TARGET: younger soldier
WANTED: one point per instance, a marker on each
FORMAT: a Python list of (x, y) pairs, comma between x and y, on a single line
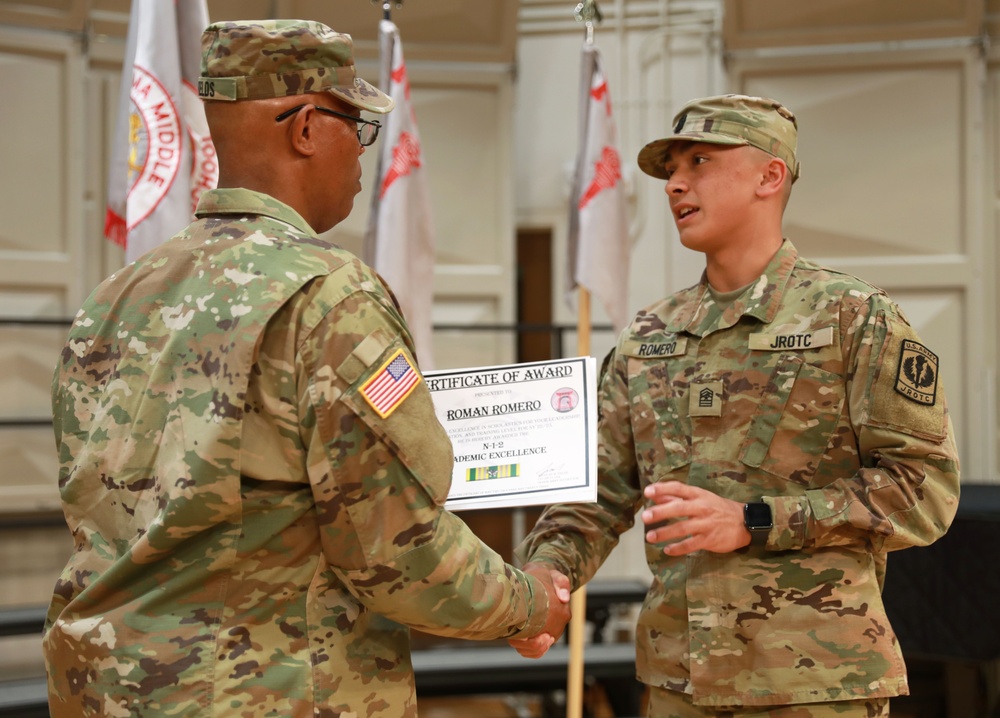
[(250, 462), (783, 427)]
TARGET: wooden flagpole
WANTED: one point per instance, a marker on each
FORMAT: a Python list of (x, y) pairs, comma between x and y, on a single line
[(588, 13), (578, 601)]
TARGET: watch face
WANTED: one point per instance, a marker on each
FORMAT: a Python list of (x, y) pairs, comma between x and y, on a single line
[(758, 516)]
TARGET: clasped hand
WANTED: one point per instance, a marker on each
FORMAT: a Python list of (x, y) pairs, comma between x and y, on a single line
[(688, 518), (557, 587)]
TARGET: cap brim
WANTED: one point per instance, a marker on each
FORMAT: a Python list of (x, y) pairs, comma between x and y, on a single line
[(364, 96), (653, 156)]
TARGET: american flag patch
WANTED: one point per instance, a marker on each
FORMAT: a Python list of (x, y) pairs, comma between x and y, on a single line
[(392, 383)]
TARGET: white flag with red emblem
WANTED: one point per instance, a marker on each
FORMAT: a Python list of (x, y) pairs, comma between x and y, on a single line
[(162, 157), (598, 227), (399, 241)]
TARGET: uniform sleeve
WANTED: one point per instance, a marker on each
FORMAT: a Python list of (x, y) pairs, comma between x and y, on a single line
[(906, 491), (380, 466), (576, 538)]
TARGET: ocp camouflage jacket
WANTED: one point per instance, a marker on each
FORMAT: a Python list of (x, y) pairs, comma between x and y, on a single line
[(812, 392), (254, 477)]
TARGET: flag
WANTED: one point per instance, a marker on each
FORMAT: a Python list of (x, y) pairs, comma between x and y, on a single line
[(399, 241), (162, 157), (392, 383), (598, 228)]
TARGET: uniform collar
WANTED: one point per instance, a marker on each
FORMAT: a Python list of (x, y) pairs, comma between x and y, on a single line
[(239, 201), (760, 300)]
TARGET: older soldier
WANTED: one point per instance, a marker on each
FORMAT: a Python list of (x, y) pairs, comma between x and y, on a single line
[(785, 429), (250, 462)]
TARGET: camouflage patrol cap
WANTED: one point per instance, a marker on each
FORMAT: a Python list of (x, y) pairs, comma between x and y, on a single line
[(729, 120), (260, 59)]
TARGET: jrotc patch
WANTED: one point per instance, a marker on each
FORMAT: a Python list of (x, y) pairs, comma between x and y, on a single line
[(917, 374), (392, 383)]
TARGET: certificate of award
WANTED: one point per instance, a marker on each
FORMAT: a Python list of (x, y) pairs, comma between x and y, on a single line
[(523, 434)]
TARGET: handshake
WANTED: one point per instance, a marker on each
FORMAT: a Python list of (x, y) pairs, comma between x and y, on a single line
[(557, 587)]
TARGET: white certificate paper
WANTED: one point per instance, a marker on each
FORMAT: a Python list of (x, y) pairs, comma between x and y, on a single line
[(523, 434)]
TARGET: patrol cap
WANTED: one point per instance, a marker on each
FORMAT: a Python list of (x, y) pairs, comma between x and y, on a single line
[(729, 120), (261, 59)]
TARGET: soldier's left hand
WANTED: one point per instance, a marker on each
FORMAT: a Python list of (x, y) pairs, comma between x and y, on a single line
[(693, 519)]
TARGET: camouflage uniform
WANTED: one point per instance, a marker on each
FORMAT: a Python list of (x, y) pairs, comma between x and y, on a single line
[(810, 390), (664, 703), (252, 523)]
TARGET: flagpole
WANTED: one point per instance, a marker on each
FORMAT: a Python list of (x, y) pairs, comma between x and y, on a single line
[(578, 601), (586, 12)]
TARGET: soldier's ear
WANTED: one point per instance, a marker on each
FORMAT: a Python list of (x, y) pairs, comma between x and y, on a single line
[(302, 133), (772, 177)]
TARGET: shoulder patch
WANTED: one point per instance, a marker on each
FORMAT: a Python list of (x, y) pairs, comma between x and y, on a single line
[(917, 373), (391, 384)]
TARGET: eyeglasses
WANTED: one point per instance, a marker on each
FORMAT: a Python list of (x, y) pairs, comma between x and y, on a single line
[(367, 129)]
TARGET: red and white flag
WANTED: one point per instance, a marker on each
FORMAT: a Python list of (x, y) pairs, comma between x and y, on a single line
[(598, 227), (162, 157), (399, 241)]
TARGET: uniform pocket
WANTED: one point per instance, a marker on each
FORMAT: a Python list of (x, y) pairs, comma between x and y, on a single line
[(794, 421), (661, 428)]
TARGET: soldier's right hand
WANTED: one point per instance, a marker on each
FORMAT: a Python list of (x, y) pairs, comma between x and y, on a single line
[(557, 586)]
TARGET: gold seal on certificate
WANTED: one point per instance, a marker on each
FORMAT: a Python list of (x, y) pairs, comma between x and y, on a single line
[(523, 434)]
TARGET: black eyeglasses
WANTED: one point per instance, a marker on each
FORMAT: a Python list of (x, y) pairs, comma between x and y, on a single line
[(367, 129)]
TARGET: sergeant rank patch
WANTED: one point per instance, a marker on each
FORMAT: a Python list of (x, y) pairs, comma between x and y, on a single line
[(706, 399), (392, 383), (917, 374)]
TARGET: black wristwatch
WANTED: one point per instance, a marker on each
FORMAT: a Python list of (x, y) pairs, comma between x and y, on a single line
[(758, 520)]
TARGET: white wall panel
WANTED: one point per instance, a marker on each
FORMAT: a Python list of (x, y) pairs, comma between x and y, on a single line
[(41, 144), (882, 159), (29, 471), (892, 152)]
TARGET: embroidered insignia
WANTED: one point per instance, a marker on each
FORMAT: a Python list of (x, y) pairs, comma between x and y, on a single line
[(392, 383), (792, 341), (917, 374), (669, 346), (706, 399)]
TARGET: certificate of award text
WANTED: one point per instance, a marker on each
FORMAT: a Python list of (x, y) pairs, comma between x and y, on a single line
[(523, 434)]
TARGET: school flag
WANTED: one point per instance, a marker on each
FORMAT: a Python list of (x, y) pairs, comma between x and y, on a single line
[(399, 241), (598, 228), (162, 157)]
